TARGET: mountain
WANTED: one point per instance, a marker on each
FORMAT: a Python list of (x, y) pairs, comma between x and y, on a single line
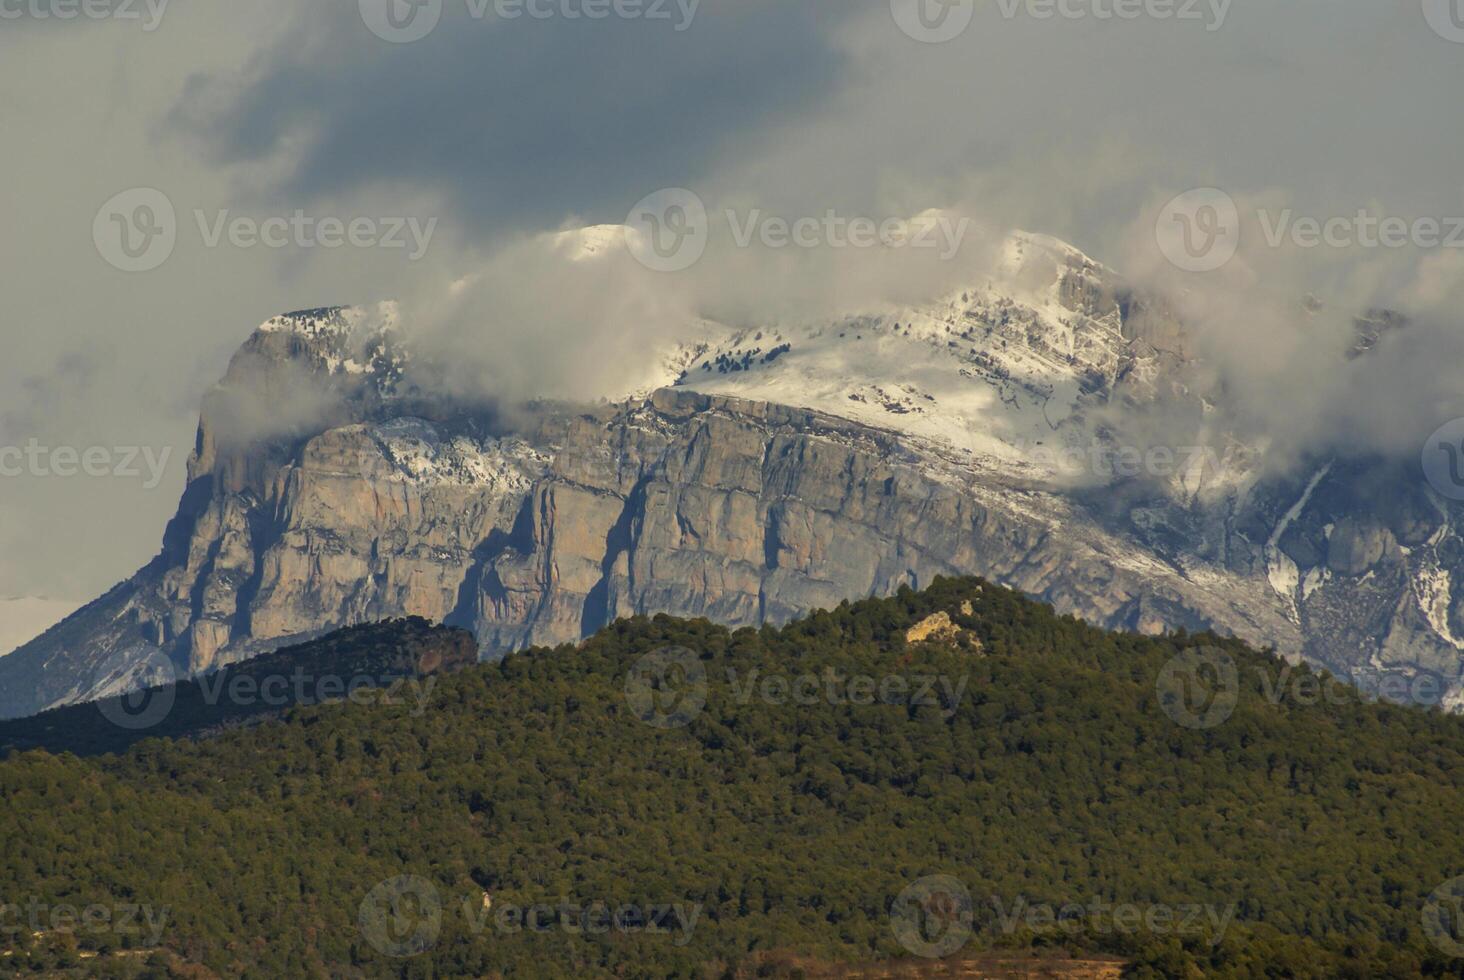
[(954, 773), (391, 662), (749, 475)]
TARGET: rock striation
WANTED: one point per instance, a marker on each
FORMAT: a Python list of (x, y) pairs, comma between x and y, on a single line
[(329, 487)]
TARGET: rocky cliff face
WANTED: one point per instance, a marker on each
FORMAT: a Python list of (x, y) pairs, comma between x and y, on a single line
[(327, 489)]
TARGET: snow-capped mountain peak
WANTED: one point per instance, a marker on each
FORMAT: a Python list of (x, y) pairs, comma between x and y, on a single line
[(1002, 373), (997, 371)]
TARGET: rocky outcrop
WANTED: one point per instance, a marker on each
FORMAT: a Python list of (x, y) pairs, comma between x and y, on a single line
[(328, 488), (698, 505), (941, 628), (1357, 544)]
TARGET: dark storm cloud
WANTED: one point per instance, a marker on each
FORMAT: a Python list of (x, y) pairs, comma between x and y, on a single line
[(518, 122)]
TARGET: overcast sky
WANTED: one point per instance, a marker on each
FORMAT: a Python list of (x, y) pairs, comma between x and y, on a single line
[(500, 129)]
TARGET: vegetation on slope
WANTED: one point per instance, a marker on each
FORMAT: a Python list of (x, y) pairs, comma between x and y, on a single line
[(1017, 779)]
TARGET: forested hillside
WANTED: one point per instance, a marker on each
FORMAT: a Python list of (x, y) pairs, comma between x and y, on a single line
[(937, 773)]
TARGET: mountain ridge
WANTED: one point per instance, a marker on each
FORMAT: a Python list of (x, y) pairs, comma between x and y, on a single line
[(383, 661), (768, 471)]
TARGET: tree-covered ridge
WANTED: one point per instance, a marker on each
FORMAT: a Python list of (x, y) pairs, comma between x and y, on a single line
[(384, 661), (741, 808)]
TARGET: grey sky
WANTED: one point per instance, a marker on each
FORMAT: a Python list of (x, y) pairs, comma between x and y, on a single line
[(500, 129)]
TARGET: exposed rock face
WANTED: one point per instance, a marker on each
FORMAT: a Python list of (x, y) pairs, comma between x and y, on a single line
[(937, 626), (703, 506), (941, 628), (327, 491), (1356, 545)]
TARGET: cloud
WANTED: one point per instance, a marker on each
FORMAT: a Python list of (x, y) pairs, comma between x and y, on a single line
[(508, 131), (516, 123), (543, 318), (1314, 350)]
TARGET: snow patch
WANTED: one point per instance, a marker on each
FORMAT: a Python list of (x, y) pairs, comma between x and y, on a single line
[(421, 457), (1433, 585), (594, 242), (1284, 576), (1002, 372)]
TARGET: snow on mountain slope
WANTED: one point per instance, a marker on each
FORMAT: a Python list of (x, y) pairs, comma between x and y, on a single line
[(359, 340), (749, 473), (420, 456), (1002, 373), (1281, 570), (585, 244)]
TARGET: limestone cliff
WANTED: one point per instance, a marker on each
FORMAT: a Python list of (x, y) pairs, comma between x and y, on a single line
[(329, 486)]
